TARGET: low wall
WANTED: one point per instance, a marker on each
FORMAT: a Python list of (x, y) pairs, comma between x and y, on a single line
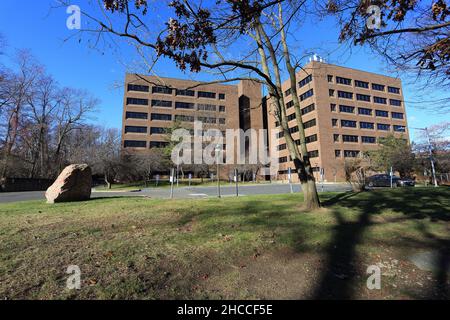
[(24, 184)]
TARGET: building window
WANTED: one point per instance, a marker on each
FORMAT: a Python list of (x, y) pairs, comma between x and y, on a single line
[(394, 102), (206, 107), (162, 89), (337, 153), (351, 153), (366, 139), (347, 109), (348, 123), (379, 100), (381, 113), (281, 147), (366, 125), (397, 115), (134, 144), (362, 97), (361, 84), (336, 137), (399, 128), (309, 124), (288, 92), (289, 104), (305, 81), (331, 92), (308, 109), (280, 134), (205, 94), (293, 129), (162, 103), (383, 127), (307, 94), (161, 116), (221, 120), (221, 108), (158, 144), (184, 118), (282, 159), (290, 117), (345, 94), (185, 92), (138, 87), (221, 96), (365, 111), (330, 78), (157, 130), (333, 107), (334, 122), (378, 87), (184, 105), (207, 119), (137, 101), (349, 138), (345, 81), (309, 139), (313, 153), (136, 115), (394, 90), (135, 129)]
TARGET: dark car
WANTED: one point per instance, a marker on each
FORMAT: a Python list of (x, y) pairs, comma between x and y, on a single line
[(384, 180)]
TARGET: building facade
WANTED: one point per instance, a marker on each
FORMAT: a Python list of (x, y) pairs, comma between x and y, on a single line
[(344, 112)]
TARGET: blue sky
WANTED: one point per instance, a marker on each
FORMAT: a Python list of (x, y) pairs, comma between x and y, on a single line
[(35, 26)]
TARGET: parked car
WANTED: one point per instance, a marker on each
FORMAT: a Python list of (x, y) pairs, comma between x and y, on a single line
[(384, 180)]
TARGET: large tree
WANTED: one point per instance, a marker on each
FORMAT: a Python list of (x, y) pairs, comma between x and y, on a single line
[(236, 39)]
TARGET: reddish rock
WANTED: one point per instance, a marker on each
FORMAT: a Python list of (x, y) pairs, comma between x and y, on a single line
[(73, 184)]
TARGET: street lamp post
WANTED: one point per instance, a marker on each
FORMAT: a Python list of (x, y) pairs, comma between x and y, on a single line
[(218, 147)]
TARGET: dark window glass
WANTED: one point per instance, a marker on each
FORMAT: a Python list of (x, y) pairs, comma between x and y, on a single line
[(184, 118), (162, 103), (282, 159), (281, 147), (135, 129), (366, 125), (309, 124), (158, 144), (347, 109), (331, 92), (134, 144), (307, 94), (162, 89), (330, 78), (305, 81), (136, 115), (290, 117), (378, 87), (399, 128), (381, 113), (185, 92), (332, 107), (221, 120), (379, 100), (184, 105), (361, 84), (351, 153), (221, 96), (308, 109), (345, 81), (206, 107), (288, 92), (349, 138), (384, 127), (337, 153), (394, 102), (362, 97), (313, 153), (394, 90), (397, 115), (221, 108), (334, 122), (206, 94), (161, 116), (138, 87), (365, 111), (207, 119), (310, 138), (142, 102), (289, 104), (366, 139), (157, 130), (348, 123), (293, 129), (336, 137), (345, 94)]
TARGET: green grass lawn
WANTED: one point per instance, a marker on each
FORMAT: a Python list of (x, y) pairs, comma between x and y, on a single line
[(249, 247)]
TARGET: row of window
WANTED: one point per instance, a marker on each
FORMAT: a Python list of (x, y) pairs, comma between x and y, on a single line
[(308, 139), (143, 144), (346, 153), (364, 84), (364, 97), (367, 125), (178, 104), (168, 117), (353, 138), (294, 129), (311, 154), (366, 111), (178, 92)]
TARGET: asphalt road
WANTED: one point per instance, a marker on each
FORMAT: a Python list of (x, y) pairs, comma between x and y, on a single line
[(226, 189)]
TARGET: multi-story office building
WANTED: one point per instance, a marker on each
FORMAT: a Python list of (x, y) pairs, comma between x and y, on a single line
[(344, 112)]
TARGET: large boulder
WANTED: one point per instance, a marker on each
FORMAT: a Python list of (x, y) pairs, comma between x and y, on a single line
[(73, 184)]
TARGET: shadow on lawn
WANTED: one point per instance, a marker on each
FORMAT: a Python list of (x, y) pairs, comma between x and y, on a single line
[(338, 279)]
